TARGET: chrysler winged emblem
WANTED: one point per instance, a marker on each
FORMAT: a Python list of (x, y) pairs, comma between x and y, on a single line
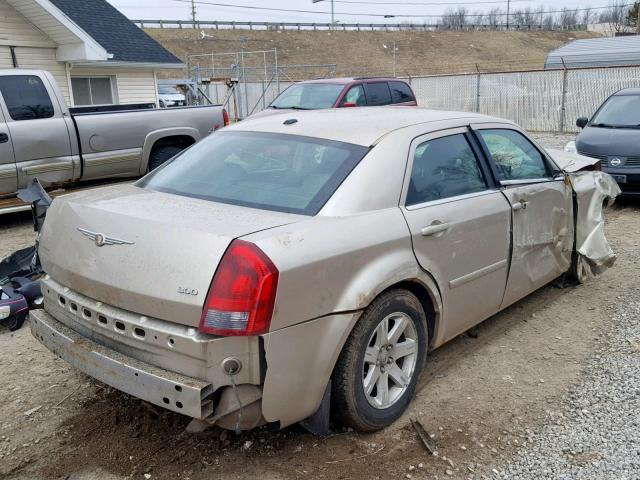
[(100, 239)]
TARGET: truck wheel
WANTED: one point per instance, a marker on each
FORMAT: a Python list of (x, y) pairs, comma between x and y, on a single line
[(377, 372), (160, 155)]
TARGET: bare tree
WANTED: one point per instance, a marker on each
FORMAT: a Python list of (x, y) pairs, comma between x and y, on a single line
[(493, 18), (568, 19), (588, 16), (615, 16), (455, 18)]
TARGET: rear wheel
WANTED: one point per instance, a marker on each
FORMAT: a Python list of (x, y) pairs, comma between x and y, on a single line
[(159, 155), (378, 369)]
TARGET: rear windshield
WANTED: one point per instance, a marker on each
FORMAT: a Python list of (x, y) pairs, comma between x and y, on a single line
[(284, 173), (308, 96), (619, 111)]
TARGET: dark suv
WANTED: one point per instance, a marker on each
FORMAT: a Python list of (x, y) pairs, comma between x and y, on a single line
[(613, 136), (342, 92)]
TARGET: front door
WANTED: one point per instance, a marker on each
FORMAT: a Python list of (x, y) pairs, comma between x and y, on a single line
[(8, 173), (460, 226), (542, 210), (38, 130)]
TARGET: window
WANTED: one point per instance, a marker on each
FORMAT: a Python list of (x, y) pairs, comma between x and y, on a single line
[(285, 173), (444, 167), (356, 96), (378, 93), (401, 92), (26, 97), (621, 111), (308, 96), (515, 157), (93, 90)]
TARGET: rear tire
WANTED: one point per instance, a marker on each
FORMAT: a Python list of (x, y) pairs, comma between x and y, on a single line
[(159, 155), (379, 367)]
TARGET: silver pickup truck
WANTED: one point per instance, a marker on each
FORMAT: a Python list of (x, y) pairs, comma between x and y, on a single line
[(40, 137)]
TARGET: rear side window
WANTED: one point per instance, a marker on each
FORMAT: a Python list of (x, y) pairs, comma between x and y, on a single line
[(284, 173), (442, 168), (515, 157), (377, 93), (26, 97), (401, 92)]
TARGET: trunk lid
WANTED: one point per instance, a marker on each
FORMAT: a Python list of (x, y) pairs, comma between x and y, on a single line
[(159, 250)]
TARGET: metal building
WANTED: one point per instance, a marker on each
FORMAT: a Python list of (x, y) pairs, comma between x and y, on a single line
[(596, 52)]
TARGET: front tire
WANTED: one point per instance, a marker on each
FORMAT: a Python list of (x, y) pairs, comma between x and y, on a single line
[(378, 370)]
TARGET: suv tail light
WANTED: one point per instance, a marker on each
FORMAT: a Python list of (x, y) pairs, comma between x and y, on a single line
[(242, 294), (225, 118)]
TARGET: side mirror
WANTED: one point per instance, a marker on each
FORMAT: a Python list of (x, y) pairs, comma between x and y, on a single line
[(582, 122), (348, 104)]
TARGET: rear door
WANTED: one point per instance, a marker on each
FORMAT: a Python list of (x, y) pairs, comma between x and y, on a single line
[(378, 93), (542, 209), (39, 133), (8, 174), (460, 225)]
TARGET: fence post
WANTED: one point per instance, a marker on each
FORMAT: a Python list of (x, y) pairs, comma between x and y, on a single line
[(477, 89), (563, 101)]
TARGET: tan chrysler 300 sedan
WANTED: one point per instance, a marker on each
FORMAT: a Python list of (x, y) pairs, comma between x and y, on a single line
[(303, 263)]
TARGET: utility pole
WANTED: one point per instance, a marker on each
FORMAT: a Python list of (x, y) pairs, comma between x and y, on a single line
[(508, 10), (333, 19), (193, 12)]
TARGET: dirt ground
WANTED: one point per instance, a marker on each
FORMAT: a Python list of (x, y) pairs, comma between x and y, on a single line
[(371, 53), (480, 398)]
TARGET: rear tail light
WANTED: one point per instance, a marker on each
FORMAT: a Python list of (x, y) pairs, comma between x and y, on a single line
[(242, 294), (225, 118)]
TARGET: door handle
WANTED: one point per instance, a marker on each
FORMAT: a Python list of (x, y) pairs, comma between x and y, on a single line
[(434, 229), (522, 205), (4, 138)]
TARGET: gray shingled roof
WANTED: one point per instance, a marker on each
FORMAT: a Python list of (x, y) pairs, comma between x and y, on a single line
[(115, 32), (596, 52)]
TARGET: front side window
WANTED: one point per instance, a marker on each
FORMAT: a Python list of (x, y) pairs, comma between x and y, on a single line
[(285, 173), (378, 93), (26, 97), (620, 111), (93, 91), (355, 95), (401, 92), (442, 168), (515, 157), (308, 96)]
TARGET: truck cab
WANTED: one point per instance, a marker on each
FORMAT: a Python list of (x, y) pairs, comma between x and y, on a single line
[(37, 135)]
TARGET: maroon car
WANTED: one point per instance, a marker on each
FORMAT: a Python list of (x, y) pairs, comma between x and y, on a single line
[(342, 92)]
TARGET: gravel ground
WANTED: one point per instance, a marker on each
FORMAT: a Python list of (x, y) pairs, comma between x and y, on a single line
[(553, 140), (596, 432)]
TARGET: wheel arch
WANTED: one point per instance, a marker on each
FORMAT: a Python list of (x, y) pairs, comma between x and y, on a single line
[(182, 137)]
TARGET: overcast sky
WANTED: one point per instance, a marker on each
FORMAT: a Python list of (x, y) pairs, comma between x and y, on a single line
[(180, 9)]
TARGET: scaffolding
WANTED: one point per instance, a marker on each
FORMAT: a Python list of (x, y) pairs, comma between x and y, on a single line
[(247, 81)]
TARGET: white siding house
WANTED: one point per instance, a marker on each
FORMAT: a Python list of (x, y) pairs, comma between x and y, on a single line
[(95, 53)]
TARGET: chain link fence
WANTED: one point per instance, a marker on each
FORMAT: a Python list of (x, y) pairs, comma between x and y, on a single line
[(538, 100), (544, 100)]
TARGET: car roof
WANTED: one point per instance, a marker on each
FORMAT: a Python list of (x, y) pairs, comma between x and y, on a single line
[(359, 126), (628, 91), (347, 80)]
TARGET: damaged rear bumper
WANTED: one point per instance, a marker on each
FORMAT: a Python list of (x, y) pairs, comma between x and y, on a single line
[(161, 387)]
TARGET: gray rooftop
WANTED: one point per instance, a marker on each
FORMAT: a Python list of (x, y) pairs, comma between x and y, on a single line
[(115, 32), (596, 52)]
